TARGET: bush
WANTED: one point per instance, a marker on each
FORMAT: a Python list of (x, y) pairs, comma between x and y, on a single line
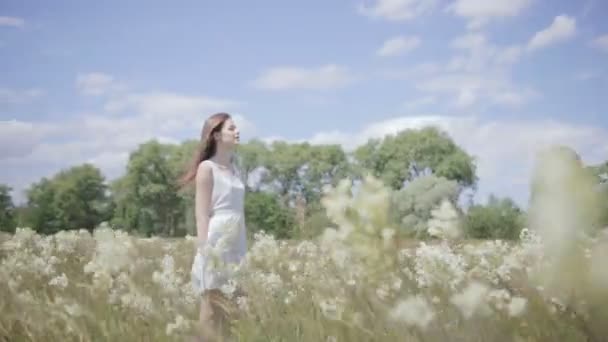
[(412, 205), (264, 211), (498, 219)]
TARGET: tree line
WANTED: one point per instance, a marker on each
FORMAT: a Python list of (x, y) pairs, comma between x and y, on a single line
[(284, 181)]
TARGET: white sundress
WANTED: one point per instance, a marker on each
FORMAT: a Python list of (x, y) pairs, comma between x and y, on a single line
[(226, 236)]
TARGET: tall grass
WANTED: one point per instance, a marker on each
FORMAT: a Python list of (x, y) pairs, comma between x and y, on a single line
[(356, 282)]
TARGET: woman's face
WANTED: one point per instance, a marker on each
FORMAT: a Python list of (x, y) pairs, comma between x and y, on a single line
[(229, 134)]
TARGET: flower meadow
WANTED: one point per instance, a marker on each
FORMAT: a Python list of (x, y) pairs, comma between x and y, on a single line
[(358, 281)]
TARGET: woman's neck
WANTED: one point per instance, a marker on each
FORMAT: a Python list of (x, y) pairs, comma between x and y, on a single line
[(223, 157)]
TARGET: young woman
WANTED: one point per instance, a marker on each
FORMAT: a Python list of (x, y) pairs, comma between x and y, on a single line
[(219, 213)]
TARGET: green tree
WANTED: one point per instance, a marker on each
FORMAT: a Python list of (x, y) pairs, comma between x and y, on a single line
[(283, 168), (74, 198), (7, 209), (147, 199), (80, 199), (264, 211), (500, 218), (302, 170), (180, 159), (40, 214), (298, 173), (402, 157), (252, 156), (324, 165), (600, 173), (412, 205)]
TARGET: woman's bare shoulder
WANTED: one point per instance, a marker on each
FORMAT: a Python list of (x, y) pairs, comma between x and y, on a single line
[(204, 170)]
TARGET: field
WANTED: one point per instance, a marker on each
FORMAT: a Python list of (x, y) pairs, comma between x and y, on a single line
[(357, 282)]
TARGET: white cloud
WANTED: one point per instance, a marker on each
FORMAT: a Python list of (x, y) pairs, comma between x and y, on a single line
[(480, 76), (600, 43), (12, 22), (105, 139), (375, 130), (467, 89), (19, 138), (479, 12), (504, 149), (420, 102), (476, 54), (586, 75), (477, 74), (398, 46), (411, 73), (509, 55), (479, 71), (561, 29), (97, 83), (397, 10), (14, 96), (469, 41), (324, 77), (165, 105)]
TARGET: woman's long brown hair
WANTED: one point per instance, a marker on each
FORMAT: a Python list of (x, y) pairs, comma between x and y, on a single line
[(207, 145)]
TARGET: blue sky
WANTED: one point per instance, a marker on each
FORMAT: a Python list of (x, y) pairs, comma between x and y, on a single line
[(89, 81)]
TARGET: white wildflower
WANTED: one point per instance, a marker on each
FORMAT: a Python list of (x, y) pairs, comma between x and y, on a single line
[(264, 248), (293, 266), (438, 265), (66, 241), (46, 246), (340, 256), (289, 297), (414, 311), (73, 309), (180, 324), (69, 306), (499, 297), (189, 295), (471, 299), (113, 252), (383, 291), (243, 303), (517, 306), (42, 266), (388, 234), (25, 296), (306, 249), (395, 282), (13, 283), (167, 278), (331, 309), (270, 282), (20, 239), (404, 255), (59, 281), (229, 288), (138, 302), (444, 221)]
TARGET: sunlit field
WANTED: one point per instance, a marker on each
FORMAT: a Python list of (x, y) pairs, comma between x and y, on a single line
[(355, 282)]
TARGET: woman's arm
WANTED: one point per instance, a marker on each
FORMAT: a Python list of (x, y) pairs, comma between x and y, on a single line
[(202, 201)]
